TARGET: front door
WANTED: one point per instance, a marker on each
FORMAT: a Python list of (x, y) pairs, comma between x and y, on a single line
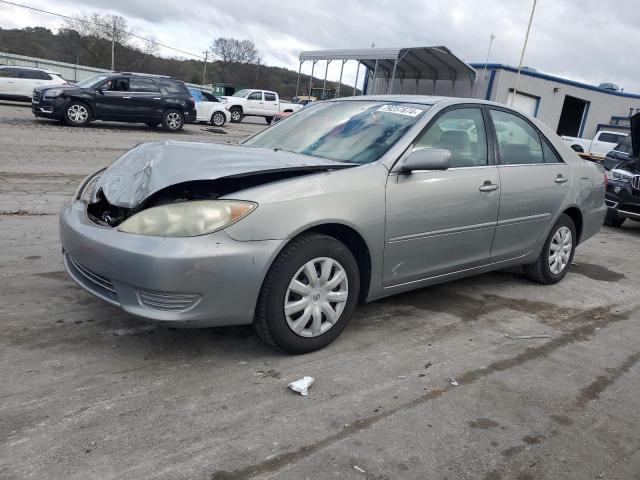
[(113, 98), (255, 104), (439, 222), (534, 183)]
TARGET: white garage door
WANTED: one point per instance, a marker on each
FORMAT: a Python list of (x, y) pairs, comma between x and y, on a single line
[(523, 103)]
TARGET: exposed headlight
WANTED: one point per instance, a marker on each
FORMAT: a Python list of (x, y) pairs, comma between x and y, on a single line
[(622, 175), (54, 92), (187, 219), (87, 190)]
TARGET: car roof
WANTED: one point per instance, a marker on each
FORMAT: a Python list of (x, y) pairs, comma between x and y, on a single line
[(30, 68)]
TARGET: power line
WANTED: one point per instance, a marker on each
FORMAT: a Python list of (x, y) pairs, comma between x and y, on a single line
[(102, 25)]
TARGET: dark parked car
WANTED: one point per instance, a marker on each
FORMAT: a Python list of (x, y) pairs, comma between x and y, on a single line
[(623, 187), (119, 97), (619, 154)]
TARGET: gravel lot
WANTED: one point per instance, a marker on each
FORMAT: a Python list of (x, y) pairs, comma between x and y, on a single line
[(91, 392)]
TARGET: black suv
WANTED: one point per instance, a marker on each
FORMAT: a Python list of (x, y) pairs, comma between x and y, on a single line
[(623, 188), (119, 97)]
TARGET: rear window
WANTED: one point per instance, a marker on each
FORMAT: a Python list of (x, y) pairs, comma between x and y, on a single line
[(173, 87), (610, 137), (142, 85)]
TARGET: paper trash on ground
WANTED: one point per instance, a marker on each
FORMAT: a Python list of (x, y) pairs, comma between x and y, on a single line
[(302, 386)]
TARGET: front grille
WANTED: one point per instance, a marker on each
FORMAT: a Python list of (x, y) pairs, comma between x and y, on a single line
[(635, 182), (167, 301), (97, 283)]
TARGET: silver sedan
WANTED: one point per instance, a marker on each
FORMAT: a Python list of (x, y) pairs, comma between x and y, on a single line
[(347, 201)]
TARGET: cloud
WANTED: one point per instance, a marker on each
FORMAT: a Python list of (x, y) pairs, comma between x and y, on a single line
[(590, 40)]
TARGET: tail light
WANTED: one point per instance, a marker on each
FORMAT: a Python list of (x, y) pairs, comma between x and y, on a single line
[(606, 180)]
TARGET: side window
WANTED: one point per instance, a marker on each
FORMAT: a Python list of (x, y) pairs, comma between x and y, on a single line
[(28, 74), (518, 142), (209, 98), (142, 85), (10, 72), (4, 72), (462, 132), (269, 97), (549, 154), (119, 84), (255, 96)]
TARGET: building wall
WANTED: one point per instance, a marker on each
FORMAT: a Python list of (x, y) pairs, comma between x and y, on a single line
[(602, 106)]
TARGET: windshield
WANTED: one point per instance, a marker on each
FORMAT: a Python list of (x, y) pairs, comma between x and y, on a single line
[(347, 131), (92, 82), (241, 93)]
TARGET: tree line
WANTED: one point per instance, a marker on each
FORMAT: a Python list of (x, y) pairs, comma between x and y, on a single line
[(86, 40)]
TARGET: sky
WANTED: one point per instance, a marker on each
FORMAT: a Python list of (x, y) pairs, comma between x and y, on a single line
[(592, 41)]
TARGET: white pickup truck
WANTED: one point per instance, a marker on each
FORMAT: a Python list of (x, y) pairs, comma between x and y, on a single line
[(601, 144), (256, 103)]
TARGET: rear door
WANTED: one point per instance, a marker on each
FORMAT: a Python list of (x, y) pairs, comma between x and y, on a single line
[(30, 79), (255, 104), (438, 222), (8, 77), (145, 97), (271, 103), (534, 183)]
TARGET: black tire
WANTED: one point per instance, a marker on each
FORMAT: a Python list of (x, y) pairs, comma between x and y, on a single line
[(270, 321), (77, 114), (540, 270), (236, 114), (612, 220), (152, 124), (172, 120), (268, 120), (577, 148), (218, 119)]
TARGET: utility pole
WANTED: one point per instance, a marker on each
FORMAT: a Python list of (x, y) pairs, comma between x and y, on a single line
[(524, 47), (113, 44), (491, 37), (204, 70)]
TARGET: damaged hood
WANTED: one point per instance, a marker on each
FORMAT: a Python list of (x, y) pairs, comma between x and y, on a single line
[(151, 167)]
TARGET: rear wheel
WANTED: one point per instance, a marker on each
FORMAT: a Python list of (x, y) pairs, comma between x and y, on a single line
[(308, 295), (612, 220), (172, 120), (554, 261), (218, 119), (77, 114), (236, 114)]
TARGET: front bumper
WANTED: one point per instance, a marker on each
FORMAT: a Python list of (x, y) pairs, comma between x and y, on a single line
[(210, 280), (48, 107), (625, 202)]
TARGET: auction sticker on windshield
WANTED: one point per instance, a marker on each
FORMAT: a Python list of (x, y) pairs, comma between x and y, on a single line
[(408, 111)]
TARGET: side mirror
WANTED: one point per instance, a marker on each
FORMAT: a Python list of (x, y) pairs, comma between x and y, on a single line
[(427, 159), (101, 90)]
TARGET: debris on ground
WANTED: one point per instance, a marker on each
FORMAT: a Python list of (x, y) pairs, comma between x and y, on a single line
[(356, 467), (401, 377), (452, 381), (427, 365), (214, 130), (526, 337), (302, 386)]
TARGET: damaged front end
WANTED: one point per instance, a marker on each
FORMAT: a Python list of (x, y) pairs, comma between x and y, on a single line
[(151, 176)]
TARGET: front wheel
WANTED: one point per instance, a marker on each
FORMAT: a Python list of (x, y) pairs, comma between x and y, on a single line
[(218, 119), (554, 261), (308, 295), (172, 120), (268, 120), (77, 114), (612, 220)]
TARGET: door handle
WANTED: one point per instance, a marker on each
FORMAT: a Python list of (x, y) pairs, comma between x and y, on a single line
[(126, 97), (488, 186), (560, 179), (157, 98)]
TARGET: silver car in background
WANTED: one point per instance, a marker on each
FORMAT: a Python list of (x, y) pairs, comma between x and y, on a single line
[(347, 201)]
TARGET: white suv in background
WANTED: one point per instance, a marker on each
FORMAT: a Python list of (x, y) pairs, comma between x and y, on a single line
[(17, 83)]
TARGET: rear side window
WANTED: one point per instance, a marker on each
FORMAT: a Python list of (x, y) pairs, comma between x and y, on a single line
[(209, 98), (550, 156), (462, 132), (34, 74), (518, 142), (610, 138), (269, 97), (142, 85), (10, 72), (173, 87)]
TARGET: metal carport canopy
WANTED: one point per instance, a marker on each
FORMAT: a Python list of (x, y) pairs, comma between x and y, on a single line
[(424, 63)]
